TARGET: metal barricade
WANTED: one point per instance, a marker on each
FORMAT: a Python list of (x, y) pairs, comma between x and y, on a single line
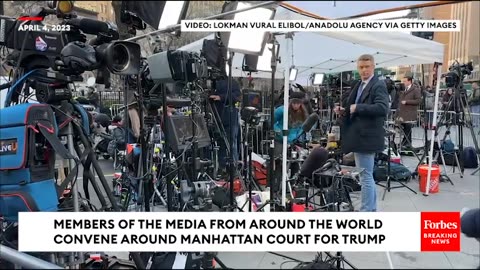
[(24, 260), (116, 109)]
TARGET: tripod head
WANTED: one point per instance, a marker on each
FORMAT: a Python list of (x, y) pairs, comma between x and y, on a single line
[(199, 193)]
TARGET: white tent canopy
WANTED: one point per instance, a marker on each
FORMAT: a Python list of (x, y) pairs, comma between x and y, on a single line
[(329, 52)]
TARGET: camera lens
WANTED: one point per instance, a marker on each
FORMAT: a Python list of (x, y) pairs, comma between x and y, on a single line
[(120, 57)]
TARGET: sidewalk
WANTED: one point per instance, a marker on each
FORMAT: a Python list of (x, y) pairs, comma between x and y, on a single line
[(464, 193)]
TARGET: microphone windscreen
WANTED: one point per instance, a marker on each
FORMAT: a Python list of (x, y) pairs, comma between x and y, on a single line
[(310, 122), (317, 158)]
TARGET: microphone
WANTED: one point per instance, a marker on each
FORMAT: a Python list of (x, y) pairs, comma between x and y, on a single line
[(317, 158), (331, 163), (308, 124), (89, 26)]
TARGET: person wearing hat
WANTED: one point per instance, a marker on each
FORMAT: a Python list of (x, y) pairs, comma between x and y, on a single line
[(297, 114), (407, 108)]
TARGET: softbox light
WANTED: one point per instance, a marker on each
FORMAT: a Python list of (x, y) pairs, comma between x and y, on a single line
[(265, 60), (318, 79), (158, 14), (293, 74), (247, 42)]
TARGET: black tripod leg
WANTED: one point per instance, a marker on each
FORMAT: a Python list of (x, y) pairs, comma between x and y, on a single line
[(97, 168), (217, 260), (386, 188), (403, 184), (92, 179), (340, 258)]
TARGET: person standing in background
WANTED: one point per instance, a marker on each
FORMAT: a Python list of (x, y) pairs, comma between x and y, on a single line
[(93, 98), (408, 109), (221, 101), (362, 126)]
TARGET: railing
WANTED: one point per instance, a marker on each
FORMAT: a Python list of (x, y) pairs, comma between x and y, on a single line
[(24, 260), (418, 136), (418, 131)]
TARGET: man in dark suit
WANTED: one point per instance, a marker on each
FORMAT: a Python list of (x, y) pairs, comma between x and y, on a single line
[(407, 108), (362, 130)]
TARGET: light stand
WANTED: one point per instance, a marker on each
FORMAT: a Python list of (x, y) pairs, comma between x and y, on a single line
[(248, 163), (243, 42), (434, 130), (230, 137), (271, 134), (194, 135), (147, 189), (166, 150)]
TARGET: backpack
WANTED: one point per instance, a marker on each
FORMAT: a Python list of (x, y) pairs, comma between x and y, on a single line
[(448, 147), (398, 172), (470, 158)]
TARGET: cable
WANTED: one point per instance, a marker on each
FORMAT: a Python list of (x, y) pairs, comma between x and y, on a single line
[(10, 91)]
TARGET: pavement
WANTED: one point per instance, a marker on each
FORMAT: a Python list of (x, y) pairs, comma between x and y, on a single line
[(465, 193)]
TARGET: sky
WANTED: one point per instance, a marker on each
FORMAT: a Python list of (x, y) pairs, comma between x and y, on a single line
[(348, 8)]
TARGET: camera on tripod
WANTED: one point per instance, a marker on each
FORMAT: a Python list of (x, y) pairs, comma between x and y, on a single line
[(250, 115), (66, 51), (457, 73)]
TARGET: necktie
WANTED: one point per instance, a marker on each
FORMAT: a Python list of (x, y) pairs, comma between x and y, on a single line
[(359, 92)]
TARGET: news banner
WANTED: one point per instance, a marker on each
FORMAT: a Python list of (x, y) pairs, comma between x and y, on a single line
[(239, 231), (321, 26)]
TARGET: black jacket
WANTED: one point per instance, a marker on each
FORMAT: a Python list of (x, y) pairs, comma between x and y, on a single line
[(363, 131), (221, 89)]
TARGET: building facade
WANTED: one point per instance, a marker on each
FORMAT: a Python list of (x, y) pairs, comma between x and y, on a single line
[(104, 9), (462, 46)]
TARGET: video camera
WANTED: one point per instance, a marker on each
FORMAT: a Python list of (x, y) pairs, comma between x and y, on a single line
[(457, 73), (64, 48), (176, 65)]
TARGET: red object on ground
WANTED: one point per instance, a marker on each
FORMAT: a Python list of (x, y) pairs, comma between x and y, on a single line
[(434, 179), (301, 208)]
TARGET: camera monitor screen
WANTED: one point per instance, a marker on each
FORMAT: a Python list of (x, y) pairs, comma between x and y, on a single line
[(180, 132), (252, 98)]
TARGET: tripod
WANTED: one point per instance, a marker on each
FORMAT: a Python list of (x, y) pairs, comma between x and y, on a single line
[(271, 136), (442, 122), (247, 157), (387, 186)]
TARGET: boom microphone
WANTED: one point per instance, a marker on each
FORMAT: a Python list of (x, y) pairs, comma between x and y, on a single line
[(89, 26), (308, 125), (315, 160), (310, 122), (331, 163)]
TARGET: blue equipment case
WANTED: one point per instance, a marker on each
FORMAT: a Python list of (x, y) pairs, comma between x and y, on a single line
[(28, 144)]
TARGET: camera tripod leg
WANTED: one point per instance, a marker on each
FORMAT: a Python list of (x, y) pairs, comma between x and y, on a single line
[(339, 258), (159, 195), (76, 207), (98, 170), (386, 188), (93, 181), (217, 260)]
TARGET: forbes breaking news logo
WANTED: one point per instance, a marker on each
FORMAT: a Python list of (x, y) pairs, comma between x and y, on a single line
[(440, 231)]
